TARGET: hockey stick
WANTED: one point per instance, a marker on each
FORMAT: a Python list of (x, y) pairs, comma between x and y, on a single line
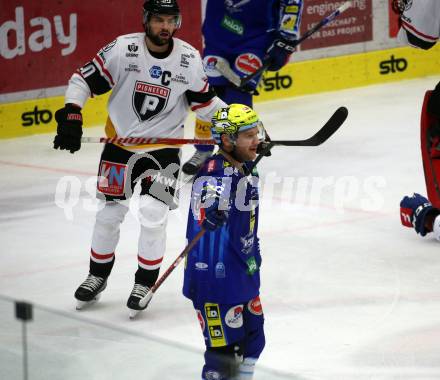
[(328, 129), (146, 300), (146, 140), (235, 79), (323, 134)]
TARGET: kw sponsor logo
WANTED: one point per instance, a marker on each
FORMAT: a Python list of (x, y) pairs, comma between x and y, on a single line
[(36, 117), (393, 65), (163, 180)]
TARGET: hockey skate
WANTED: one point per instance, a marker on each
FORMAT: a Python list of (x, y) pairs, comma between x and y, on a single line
[(195, 162), (139, 299), (90, 291)]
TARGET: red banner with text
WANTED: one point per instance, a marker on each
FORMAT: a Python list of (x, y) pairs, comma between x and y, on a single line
[(353, 25), (43, 42)]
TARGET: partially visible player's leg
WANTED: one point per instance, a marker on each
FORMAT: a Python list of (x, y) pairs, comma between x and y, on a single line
[(254, 341), (158, 189), (153, 216), (108, 220)]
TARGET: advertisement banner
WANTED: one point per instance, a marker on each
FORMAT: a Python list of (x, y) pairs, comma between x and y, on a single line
[(43, 42), (354, 25)]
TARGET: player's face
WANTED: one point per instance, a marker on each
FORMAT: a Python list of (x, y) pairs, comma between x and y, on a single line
[(246, 144), (161, 29)]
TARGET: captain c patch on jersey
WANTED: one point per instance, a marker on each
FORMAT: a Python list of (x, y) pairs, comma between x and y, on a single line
[(149, 99)]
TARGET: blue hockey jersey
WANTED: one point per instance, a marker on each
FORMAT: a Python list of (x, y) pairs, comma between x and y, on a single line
[(224, 266), (236, 24)]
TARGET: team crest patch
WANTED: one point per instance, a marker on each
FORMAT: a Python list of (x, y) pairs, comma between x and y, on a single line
[(112, 178), (234, 317), (248, 63), (149, 99), (254, 306)]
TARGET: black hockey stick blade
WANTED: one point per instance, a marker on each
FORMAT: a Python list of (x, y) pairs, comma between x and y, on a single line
[(332, 125)]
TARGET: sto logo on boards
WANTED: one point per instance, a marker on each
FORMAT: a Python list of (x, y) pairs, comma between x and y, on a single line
[(36, 117), (393, 65)]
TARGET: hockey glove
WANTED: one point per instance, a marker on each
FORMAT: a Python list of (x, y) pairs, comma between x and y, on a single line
[(214, 218), (279, 52), (416, 211), (69, 130), (263, 145)]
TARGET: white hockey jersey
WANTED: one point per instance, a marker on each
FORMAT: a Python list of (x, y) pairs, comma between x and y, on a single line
[(151, 97), (420, 23)]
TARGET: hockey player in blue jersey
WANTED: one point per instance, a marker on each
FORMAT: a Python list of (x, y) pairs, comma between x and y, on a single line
[(243, 33), (222, 276)]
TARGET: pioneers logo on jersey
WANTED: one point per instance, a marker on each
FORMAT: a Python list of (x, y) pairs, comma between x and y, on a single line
[(248, 63), (155, 72), (149, 99)]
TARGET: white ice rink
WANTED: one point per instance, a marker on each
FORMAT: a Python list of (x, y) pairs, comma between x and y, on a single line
[(348, 293)]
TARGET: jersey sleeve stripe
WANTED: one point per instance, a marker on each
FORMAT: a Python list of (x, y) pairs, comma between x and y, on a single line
[(202, 105), (104, 71), (421, 35)]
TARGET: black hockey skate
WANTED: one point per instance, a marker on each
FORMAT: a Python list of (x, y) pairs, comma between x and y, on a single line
[(192, 166), (138, 299), (90, 290)]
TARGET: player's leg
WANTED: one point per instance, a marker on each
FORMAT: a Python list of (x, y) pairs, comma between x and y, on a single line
[(159, 170), (224, 333), (254, 341), (107, 225), (153, 216)]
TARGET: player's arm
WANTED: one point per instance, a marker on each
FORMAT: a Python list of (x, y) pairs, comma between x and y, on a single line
[(419, 21), (288, 32), (94, 78)]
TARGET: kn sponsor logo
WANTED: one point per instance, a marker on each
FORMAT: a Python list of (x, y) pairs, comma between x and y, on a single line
[(393, 65), (255, 307), (234, 317), (247, 63), (14, 39), (112, 178), (36, 117), (201, 320)]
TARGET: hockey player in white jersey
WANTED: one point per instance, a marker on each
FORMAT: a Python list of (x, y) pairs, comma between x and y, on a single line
[(155, 79), (420, 28)]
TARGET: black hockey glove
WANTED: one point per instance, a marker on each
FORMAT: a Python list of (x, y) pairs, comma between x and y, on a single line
[(69, 130), (279, 52), (263, 145)]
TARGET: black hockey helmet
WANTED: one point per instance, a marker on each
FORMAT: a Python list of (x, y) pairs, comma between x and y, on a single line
[(162, 7)]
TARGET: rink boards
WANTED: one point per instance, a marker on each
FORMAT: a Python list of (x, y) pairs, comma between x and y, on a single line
[(300, 78)]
